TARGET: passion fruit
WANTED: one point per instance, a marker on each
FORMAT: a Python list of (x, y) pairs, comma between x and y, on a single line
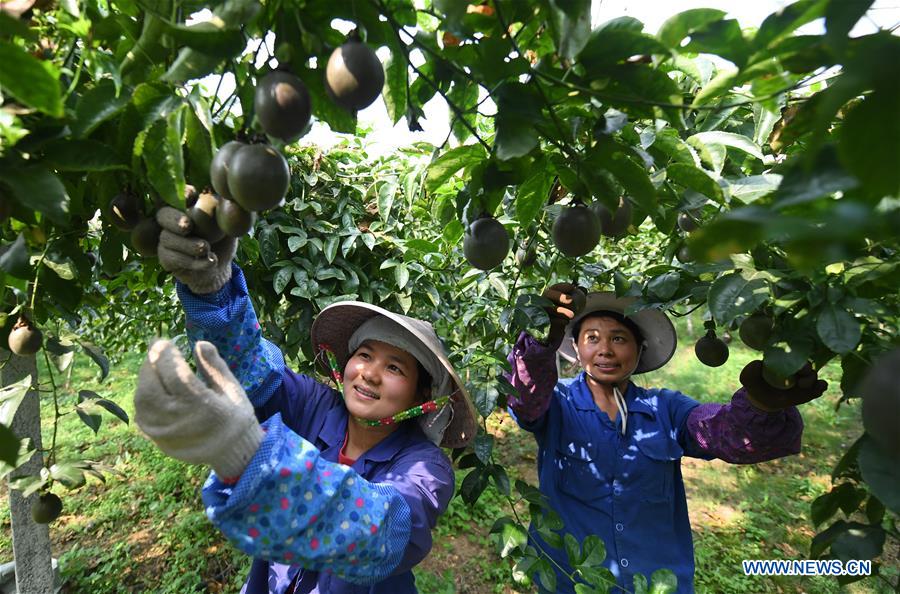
[(684, 255), (880, 395), (282, 105), (233, 220), (756, 330), (688, 221), (145, 237), (576, 230), (24, 338), (124, 211), (486, 243), (203, 215), (46, 508), (616, 224), (354, 76), (710, 350), (218, 168), (258, 177)]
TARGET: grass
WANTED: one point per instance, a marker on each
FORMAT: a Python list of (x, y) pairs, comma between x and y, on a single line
[(144, 528)]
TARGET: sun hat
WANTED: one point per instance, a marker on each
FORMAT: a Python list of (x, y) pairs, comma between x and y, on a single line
[(657, 330), (337, 323)]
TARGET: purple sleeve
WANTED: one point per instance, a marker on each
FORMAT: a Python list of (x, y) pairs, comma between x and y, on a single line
[(740, 433), (534, 377)]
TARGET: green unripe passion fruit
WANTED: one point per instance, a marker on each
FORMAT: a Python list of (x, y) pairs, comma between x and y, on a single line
[(218, 168), (145, 237), (24, 339), (684, 255), (756, 330), (880, 394), (233, 220), (46, 508), (124, 211), (486, 243), (354, 76), (711, 351), (688, 221), (258, 177), (203, 215), (282, 105), (576, 230)]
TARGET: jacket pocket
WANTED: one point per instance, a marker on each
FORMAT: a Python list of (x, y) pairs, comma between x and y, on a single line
[(579, 474), (656, 467)]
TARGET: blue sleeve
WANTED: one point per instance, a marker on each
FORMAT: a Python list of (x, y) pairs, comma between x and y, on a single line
[(680, 407), (226, 318), (292, 506)]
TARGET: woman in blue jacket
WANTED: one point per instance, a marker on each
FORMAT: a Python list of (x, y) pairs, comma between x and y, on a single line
[(330, 491)]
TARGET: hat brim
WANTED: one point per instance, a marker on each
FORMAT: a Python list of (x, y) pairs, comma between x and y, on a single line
[(657, 329), (333, 328)]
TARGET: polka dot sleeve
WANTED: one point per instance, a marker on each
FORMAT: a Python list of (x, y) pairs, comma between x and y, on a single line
[(291, 506), (226, 318)]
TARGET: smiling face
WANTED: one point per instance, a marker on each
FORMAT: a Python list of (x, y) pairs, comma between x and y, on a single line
[(380, 380), (607, 349)]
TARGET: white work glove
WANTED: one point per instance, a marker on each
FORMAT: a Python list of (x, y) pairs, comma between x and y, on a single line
[(208, 423), (204, 268)]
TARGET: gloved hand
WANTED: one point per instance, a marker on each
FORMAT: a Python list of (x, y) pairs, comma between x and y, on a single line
[(806, 386), (211, 423), (191, 259), (568, 301)]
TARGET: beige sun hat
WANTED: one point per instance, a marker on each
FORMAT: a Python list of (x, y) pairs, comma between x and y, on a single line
[(336, 324), (656, 327)]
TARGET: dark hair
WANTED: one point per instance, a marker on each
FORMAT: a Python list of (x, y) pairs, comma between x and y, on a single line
[(605, 313)]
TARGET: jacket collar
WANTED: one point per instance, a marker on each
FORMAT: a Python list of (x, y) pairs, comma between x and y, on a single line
[(636, 398), (335, 428)]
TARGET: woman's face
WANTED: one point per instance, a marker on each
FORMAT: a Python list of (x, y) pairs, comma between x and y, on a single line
[(380, 381), (606, 349)]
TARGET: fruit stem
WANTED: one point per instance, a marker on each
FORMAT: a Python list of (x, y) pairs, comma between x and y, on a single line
[(37, 271)]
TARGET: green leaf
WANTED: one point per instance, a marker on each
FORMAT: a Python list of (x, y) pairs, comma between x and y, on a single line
[(722, 38), (82, 155), (512, 537), (114, 409), (840, 17), (824, 507), (751, 188), (98, 105), (331, 248), (97, 356), (11, 397), (573, 549), (869, 147), (695, 179), (881, 473), (15, 27), (31, 81), (9, 446), (395, 86), (36, 188), (738, 141), (531, 195), (15, 260), (664, 286), (593, 551), (724, 80), (787, 357), (838, 329), (164, 160), (70, 475), (483, 446), (676, 28), (803, 183), (517, 113), (663, 581), (401, 275), (445, 166), (782, 23), (634, 179), (858, 541), (64, 269), (571, 20), (282, 278), (606, 48), (214, 37), (737, 294)]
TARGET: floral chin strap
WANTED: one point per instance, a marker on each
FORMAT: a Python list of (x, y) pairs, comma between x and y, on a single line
[(410, 413)]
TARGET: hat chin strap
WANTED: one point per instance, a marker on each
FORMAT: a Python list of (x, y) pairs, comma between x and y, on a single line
[(617, 393)]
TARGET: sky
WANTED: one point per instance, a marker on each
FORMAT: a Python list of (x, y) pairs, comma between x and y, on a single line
[(386, 137)]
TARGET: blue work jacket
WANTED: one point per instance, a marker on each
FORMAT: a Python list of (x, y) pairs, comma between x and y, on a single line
[(626, 489)]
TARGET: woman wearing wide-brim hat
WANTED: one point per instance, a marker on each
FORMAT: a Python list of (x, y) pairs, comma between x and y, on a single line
[(329, 489), (610, 451)]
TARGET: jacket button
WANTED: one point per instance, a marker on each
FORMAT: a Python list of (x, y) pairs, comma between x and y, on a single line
[(624, 562), (620, 527)]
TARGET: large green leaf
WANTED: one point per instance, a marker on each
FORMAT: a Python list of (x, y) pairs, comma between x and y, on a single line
[(82, 155), (213, 37), (785, 21), (841, 16), (738, 141), (634, 179), (737, 294), (9, 446), (531, 196), (870, 142), (881, 473), (838, 330), (722, 38), (14, 259), (11, 397), (517, 114), (36, 188), (446, 166), (695, 179), (608, 47), (31, 81), (676, 28), (395, 86), (571, 21), (163, 159), (97, 105)]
